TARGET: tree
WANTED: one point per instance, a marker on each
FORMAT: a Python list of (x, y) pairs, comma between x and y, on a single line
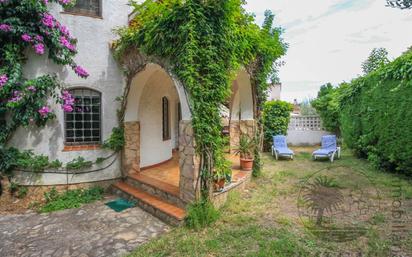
[(401, 4), (377, 58), (327, 106)]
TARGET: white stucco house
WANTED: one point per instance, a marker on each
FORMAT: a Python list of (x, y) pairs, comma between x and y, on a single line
[(158, 161)]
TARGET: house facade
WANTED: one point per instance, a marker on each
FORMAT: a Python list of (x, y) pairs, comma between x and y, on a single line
[(148, 101), (80, 133)]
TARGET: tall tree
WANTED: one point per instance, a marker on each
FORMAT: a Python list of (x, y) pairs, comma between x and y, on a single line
[(401, 4), (377, 58)]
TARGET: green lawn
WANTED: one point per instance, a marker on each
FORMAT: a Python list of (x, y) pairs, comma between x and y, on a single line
[(264, 220)]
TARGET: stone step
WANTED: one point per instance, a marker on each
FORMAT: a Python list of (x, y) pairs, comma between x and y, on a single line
[(160, 189), (166, 212)]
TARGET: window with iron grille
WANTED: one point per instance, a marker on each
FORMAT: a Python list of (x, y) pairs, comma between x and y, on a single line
[(86, 7), (165, 118), (83, 125)]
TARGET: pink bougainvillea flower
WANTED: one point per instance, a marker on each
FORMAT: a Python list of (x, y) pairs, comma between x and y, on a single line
[(44, 111), (46, 1), (66, 43), (31, 88), (65, 1), (64, 30), (81, 72), (17, 96), (67, 108), (26, 38), (3, 80), (39, 38), (39, 48), (68, 101), (48, 20), (5, 27)]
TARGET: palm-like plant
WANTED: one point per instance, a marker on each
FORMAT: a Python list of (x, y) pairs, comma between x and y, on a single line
[(322, 195), (246, 147)]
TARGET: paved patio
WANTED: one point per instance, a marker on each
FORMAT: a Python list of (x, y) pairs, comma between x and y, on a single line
[(92, 230)]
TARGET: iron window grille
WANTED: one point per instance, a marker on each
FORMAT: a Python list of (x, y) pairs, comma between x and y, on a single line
[(83, 125)]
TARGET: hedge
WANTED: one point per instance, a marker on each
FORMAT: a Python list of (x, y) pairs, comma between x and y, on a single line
[(376, 115), (276, 117)]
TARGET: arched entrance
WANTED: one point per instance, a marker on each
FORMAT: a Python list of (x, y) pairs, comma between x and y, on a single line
[(241, 109), (157, 122)]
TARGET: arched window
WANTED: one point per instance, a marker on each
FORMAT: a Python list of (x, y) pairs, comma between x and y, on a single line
[(165, 118), (86, 7), (83, 125)]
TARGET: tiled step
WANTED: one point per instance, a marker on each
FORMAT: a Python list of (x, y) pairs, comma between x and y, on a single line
[(152, 204), (160, 189)]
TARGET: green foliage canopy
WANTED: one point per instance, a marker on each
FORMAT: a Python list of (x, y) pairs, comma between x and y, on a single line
[(327, 106), (376, 59), (206, 42)]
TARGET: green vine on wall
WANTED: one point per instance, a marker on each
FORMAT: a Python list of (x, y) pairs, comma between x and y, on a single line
[(206, 42)]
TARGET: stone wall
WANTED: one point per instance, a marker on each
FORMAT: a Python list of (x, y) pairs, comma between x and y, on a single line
[(240, 127), (131, 150), (188, 163)]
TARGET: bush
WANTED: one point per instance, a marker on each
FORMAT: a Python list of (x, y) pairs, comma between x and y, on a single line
[(116, 140), (70, 199), (376, 115), (276, 117), (201, 214), (327, 106)]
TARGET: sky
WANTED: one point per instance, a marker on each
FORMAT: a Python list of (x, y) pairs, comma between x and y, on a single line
[(329, 39)]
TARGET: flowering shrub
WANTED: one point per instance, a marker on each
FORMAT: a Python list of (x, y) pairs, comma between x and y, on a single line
[(27, 25)]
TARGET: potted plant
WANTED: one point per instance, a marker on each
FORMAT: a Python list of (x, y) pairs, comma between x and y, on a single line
[(222, 174), (220, 181), (245, 150)]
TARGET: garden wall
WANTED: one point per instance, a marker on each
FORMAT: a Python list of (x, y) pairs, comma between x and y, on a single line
[(305, 131)]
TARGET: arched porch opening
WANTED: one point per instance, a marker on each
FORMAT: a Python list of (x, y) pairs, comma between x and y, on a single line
[(158, 135), (241, 118)]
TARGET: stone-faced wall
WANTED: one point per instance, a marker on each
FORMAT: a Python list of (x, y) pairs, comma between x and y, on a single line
[(131, 150), (188, 163), (240, 127)]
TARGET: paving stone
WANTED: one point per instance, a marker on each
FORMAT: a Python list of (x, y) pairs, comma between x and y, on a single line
[(92, 230)]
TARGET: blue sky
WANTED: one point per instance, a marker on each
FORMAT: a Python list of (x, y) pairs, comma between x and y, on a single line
[(329, 39)]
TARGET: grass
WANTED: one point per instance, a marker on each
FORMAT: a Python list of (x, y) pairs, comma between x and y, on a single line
[(264, 220)]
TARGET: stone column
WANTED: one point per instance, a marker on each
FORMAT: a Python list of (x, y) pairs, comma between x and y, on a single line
[(188, 163), (234, 131), (131, 150), (238, 128)]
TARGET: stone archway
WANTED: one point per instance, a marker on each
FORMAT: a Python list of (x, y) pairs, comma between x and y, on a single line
[(242, 120), (142, 119)]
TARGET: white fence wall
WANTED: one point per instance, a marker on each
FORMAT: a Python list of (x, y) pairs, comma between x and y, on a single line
[(305, 130)]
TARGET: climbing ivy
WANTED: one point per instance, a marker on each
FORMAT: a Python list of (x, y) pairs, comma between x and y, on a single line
[(206, 42)]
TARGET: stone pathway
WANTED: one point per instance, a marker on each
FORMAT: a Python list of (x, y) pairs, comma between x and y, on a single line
[(92, 230)]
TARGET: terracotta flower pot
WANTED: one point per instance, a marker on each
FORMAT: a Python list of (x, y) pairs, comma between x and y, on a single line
[(246, 164), (220, 184)]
